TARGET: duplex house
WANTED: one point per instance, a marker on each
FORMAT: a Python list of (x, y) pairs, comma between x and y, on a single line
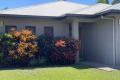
[(96, 26)]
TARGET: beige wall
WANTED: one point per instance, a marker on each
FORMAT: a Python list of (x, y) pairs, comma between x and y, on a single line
[(60, 28)]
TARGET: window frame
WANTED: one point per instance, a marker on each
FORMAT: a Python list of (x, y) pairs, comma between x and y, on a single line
[(7, 27), (49, 27), (33, 27)]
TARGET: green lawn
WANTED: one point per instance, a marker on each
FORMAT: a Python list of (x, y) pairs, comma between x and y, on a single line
[(58, 73)]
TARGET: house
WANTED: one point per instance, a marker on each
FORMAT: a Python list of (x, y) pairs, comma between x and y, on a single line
[(96, 26)]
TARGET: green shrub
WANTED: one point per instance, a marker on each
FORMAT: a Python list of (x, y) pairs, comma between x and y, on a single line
[(33, 62), (45, 44), (6, 44), (21, 48)]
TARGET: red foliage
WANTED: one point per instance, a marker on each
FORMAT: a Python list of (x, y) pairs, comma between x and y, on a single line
[(59, 43), (64, 51)]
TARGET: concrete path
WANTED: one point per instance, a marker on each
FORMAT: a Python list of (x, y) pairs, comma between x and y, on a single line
[(99, 66)]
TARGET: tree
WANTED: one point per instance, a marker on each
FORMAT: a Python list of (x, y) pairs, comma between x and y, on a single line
[(115, 1), (103, 1)]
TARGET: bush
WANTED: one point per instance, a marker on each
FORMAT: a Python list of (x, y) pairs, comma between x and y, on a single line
[(22, 48), (6, 44), (17, 48), (45, 43), (64, 51), (25, 47), (58, 50)]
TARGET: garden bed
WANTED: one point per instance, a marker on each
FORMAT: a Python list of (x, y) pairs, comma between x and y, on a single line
[(23, 48)]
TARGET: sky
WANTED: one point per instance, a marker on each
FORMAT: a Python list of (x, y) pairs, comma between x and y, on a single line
[(20, 3)]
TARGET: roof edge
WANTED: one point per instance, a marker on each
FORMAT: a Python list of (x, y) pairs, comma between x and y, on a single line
[(63, 16)]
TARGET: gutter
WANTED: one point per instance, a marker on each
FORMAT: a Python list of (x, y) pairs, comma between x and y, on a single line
[(114, 40), (28, 16)]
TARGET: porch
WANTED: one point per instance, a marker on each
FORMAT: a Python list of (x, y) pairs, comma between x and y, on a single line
[(96, 37)]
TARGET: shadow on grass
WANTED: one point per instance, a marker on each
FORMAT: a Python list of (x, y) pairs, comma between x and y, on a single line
[(78, 66), (81, 66)]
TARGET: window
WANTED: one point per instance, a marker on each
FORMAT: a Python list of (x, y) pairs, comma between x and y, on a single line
[(9, 28), (49, 31), (31, 28)]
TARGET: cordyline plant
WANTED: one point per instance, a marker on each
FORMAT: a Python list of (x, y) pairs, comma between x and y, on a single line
[(25, 47)]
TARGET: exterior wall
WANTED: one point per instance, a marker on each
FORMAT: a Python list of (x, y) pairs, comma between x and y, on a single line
[(97, 41), (117, 40), (60, 28), (97, 37)]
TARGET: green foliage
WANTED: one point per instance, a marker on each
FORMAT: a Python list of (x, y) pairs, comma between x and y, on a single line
[(6, 44), (20, 48), (33, 62), (103, 1), (45, 44)]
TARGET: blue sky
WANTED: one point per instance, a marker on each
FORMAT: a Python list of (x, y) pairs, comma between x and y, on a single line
[(19, 3)]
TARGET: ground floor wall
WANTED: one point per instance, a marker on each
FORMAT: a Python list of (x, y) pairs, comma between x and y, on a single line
[(97, 41), (96, 37), (60, 28), (117, 40)]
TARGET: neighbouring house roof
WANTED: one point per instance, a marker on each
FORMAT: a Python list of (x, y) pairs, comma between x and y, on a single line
[(60, 9), (93, 9), (114, 7)]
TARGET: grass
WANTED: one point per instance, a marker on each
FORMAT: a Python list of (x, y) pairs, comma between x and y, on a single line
[(58, 73)]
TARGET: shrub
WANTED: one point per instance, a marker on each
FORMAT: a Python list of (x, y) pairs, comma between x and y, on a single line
[(6, 44), (64, 51), (25, 47), (45, 43), (58, 50)]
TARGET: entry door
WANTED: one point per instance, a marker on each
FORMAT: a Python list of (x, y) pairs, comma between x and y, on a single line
[(84, 35)]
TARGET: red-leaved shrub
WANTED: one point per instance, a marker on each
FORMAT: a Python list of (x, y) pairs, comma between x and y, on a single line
[(64, 51)]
